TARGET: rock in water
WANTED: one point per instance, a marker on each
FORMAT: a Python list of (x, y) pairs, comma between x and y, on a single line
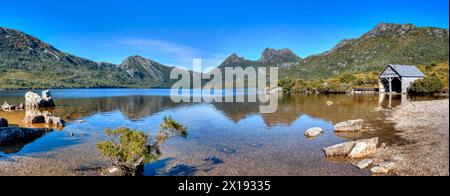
[(349, 126), (356, 149), (3, 122), (55, 121), (383, 168), (34, 116), (14, 135), (313, 132), (35, 101), (343, 149), (364, 163), (364, 148)]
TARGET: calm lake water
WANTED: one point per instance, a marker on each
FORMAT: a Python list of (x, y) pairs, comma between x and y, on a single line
[(224, 138)]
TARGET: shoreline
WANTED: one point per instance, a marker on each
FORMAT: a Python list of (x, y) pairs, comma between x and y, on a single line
[(425, 124)]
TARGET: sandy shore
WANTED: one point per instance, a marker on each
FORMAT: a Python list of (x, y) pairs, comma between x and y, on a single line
[(426, 125)]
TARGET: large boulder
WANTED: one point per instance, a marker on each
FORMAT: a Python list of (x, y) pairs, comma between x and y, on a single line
[(349, 126), (15, 135), (354, 150), (35, 101), (313, 132), (3, 122)]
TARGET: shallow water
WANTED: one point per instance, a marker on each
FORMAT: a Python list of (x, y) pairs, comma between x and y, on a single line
[(224, 138)]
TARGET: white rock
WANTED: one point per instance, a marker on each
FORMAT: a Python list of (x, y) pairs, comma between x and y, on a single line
[(356, 149), (313, 132), (343, 149), (364, 163), (364, 148), (383, 168), (329, 103)]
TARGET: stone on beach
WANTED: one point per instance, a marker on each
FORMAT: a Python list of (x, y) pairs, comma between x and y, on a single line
[(35, 101), (383, 168), (349, 126), (3, 122), (313, 132), (356, 149), (14, 135), (364, 148), (364, 163)]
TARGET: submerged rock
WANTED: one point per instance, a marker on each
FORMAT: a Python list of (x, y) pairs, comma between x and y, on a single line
[(15, 135), (364, 163), (3, 122), (383, 168), (313, 132), (35, 101), (356, 149), (349, 126)]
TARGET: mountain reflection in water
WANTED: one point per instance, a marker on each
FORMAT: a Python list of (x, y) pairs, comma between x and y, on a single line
[(269, 141)]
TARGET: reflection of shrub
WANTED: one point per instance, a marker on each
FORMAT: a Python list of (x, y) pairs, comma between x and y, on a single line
[(129, 149), (427, 85)]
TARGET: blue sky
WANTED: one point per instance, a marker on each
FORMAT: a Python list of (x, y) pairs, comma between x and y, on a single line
[(174, 31)]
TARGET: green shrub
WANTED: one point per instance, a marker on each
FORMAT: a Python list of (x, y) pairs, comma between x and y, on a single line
[(428, 85), (347, 78), (129, 149)]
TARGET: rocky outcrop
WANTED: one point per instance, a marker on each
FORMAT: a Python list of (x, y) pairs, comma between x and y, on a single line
[(313, 132), (349, 126), (14, 135), (3, 122), (355, 150), (33, 100)]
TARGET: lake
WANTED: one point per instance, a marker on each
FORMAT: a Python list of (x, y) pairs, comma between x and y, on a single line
[(224, 138)]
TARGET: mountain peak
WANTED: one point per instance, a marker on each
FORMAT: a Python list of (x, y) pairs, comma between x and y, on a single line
[(234, 59), (285, 55), (139, 67), (390, 29)]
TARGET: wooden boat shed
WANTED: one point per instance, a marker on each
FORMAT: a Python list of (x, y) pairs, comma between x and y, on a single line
[(398, 78)]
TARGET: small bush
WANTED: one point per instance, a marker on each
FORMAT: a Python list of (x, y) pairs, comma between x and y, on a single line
[(129, 149), (428, 85)]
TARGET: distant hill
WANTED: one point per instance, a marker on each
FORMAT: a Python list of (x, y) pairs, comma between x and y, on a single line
[(27, 62), (282, 58), (385, 44)]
